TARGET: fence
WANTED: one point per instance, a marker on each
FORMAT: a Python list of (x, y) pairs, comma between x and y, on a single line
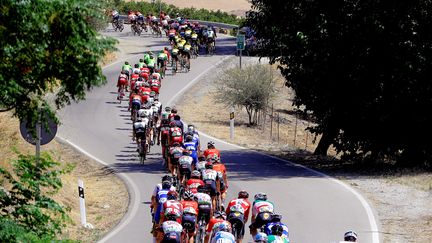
[(286, 127)]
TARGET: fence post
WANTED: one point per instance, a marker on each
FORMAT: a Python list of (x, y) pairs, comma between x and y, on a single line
[(295, 130), (271, 123), (278, 122), (82, 202)]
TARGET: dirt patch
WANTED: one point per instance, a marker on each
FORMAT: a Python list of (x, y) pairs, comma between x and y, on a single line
[(104, 208), (400, 197)]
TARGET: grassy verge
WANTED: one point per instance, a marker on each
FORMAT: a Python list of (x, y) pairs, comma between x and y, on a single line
[(104, 208)]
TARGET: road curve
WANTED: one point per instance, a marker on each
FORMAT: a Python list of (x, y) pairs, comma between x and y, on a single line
[(315, 208)]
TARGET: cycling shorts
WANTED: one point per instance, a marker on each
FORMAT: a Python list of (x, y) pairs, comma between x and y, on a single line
[(140, 133), (189, 222), (136, 104), (204, 210), (172, 237), (211, 185), (122, 81), (237, 223), (161, 62), (261, 219)]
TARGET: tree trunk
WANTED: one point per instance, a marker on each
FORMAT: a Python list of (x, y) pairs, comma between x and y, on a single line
[(249, 112), (326, 140)]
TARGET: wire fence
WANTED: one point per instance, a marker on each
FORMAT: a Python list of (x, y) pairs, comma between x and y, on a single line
[(286, 127)]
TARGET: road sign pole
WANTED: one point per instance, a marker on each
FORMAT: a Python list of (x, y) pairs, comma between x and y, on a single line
[(38, 138), (240, 58), (232, 123)]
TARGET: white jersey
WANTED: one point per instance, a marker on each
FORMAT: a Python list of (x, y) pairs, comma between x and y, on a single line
[(262, 207), (136, 69), (209, 174), (145, 113), (171, 226), (201, 165), (164, 22), (210, 34), (141, 125), (185, 159), (158, 187), (139, 83), (203, 198)]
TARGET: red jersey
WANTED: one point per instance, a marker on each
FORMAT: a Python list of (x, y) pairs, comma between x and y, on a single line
[(190, 204), (134, 76), (244, 203), (168, 53), (213, 221), (155, 84), (192, 184), (171, 32), (172, 207), (208, 153), (145, 90)]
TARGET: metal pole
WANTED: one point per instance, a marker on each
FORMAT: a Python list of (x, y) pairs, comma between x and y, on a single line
[(38, 138), (232, 124), (240, 58), (82, 202)]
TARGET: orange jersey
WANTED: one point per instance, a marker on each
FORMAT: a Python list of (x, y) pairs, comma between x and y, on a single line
[(219, 167), (208, 153), (244, 203), (212, 222), (190, 204)]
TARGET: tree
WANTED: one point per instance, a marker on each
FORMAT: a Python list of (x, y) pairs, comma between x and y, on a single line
[(362, 68), (48, 46), (250, 87), (26, 203)]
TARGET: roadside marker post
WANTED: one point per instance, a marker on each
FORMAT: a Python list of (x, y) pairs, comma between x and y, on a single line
[(232, 124), (240, 46), (82, 202)]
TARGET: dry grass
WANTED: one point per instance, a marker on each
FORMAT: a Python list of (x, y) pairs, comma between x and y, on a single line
[(386, 188), (104, 208)]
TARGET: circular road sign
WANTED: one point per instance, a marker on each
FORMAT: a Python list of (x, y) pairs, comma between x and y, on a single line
[(47, 133)]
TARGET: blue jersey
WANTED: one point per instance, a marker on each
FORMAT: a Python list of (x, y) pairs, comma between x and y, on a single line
[(268, 227), (161, 197), (191, 146)]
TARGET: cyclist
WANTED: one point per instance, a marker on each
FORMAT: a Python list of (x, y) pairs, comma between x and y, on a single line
[(176, 133), (194, 182), (162, 59), (127, 69), (136, 69), (122, 82), (275, 235), (135, 101), (185, 166), (218, 219), (174, 55), (186, 53), (211, 150), (200, 166), (175, 152), (191, 146), (115, 15), (159, 199), (238, 213), (151, 63), (214, 182), (276, 220), (261, 212), (350, 236), (147, 114), (204, 204), (190, 213), (223, 235), (139, 131), (172, 207), (171, 231), (261, 238), (221, 169)]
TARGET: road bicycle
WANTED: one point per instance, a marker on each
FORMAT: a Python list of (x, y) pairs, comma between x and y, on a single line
[(121, 94), (136, 29), (210, 48), (117, 25), (202, 225)]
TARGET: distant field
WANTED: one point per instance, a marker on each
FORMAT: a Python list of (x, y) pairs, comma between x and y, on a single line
[(237, 7)]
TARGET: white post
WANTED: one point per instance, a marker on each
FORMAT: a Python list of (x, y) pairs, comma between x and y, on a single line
[(232, 123), (82, 202)]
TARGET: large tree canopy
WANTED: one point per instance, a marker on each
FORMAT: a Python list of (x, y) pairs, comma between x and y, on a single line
[(48, 46), (362, 68)]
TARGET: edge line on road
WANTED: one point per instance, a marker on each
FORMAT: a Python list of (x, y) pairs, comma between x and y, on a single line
[(132, 204)]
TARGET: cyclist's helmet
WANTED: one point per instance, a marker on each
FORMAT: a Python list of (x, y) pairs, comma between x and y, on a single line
[(167, 109), (277, 229), (261, 196), (224, 227), (176, 144), (210, 144), (126, 63), (188, 195), (171, 217), (276, 218), (350, 236), (261, 237), (166, 178), (141, 60), (195, 174), (166, 184), (136, 71), (136, 65), (209, 165), (122, 72), (172, 195), (189, 138), (201, 158), (220, 214), (174, 110), (243, 194)]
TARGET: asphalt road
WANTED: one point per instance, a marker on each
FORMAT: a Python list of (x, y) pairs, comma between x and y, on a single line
[(315, 208)]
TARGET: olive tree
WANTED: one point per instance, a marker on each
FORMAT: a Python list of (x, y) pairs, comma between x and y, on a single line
[(250, 88)]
